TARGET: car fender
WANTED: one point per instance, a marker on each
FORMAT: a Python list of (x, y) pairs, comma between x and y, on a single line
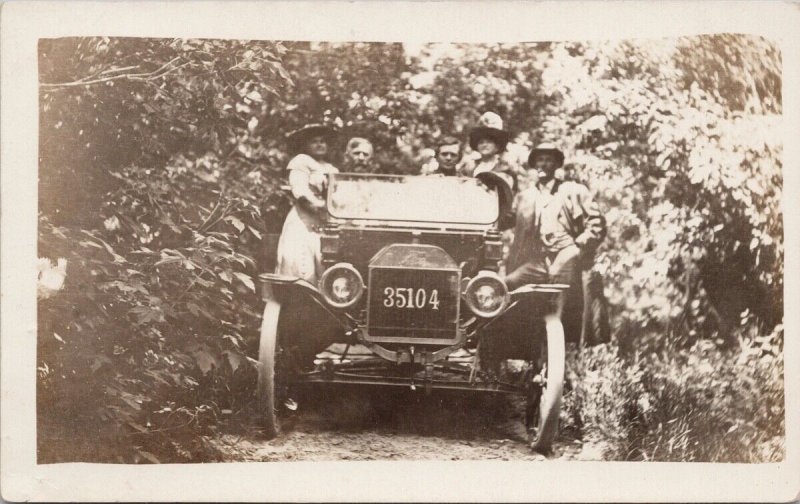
[(513, 333), (303, 301)]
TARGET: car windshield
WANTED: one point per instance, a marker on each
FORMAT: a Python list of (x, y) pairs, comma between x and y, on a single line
[(431, 199)]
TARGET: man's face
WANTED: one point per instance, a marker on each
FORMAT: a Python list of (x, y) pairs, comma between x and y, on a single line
[(545, 165), (317, 147), (487, 147), (360, 155), (448, 156)]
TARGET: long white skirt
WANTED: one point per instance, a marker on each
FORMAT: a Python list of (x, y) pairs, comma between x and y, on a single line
[(299, 253)]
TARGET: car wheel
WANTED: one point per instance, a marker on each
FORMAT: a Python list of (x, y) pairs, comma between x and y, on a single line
[(269, 374), (544, 397)]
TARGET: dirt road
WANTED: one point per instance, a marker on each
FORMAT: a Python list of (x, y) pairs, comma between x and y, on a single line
[(338, 424)]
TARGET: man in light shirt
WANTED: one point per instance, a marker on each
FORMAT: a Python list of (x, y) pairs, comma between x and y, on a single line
[(558, 227)]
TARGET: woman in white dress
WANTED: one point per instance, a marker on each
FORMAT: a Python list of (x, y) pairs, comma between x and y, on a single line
[(299, 245)]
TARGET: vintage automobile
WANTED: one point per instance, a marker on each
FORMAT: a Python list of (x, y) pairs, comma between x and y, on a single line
[(411, 297)]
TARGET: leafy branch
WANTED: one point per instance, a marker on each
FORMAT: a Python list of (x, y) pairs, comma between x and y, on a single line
[(162, 71)]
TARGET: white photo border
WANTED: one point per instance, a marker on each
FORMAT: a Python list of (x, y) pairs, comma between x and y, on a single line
[(22, 24)]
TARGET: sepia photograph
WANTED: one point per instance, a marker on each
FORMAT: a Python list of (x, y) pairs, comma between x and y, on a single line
[(262, 250), (284, 251)]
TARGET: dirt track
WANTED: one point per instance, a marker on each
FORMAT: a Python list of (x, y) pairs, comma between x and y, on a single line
[(398, 425)]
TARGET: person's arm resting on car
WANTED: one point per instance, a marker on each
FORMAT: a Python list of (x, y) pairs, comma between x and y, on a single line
[(299, 181)]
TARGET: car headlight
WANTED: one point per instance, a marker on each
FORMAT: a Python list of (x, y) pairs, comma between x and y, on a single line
[(341, 285), (486, 294)]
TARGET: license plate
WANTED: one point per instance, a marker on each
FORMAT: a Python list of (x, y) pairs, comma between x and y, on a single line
[(411, 298), (413, 303)]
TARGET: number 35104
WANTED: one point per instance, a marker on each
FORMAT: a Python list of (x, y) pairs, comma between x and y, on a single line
[(408, 297)]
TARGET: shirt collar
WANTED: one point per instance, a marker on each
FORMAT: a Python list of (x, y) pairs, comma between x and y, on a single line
[(550, 186)]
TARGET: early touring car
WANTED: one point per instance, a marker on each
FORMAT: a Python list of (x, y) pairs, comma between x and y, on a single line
[(411, 280)]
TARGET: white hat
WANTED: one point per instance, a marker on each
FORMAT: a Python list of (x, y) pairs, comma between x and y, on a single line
[(490, 125)]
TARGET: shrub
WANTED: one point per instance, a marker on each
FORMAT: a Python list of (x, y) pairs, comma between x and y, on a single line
[(151, 335), (702, 404)]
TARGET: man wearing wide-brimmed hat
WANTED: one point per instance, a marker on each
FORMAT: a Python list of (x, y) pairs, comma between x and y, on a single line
[(558, 226), (490, 140), (298, 248)]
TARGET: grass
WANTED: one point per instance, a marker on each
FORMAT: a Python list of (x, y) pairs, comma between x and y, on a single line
[(702, 404)]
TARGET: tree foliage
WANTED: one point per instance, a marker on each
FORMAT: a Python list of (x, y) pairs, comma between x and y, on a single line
[(742, 72), (153, 183), (692, 187)]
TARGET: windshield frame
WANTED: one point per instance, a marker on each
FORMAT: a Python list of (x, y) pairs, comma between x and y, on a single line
[(405, 221)]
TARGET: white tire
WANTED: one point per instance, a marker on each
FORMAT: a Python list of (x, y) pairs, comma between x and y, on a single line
[(267, 349), (549, 407)]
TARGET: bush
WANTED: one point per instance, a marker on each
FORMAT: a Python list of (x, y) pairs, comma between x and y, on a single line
[(702, 404), (150, 337)]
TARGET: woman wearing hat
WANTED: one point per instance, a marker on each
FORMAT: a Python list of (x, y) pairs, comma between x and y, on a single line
[(299, 246), (489, 139)]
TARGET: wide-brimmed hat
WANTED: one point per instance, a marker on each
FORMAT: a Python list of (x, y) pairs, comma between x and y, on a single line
[(490, 125), (298, 138), (546, 148)]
